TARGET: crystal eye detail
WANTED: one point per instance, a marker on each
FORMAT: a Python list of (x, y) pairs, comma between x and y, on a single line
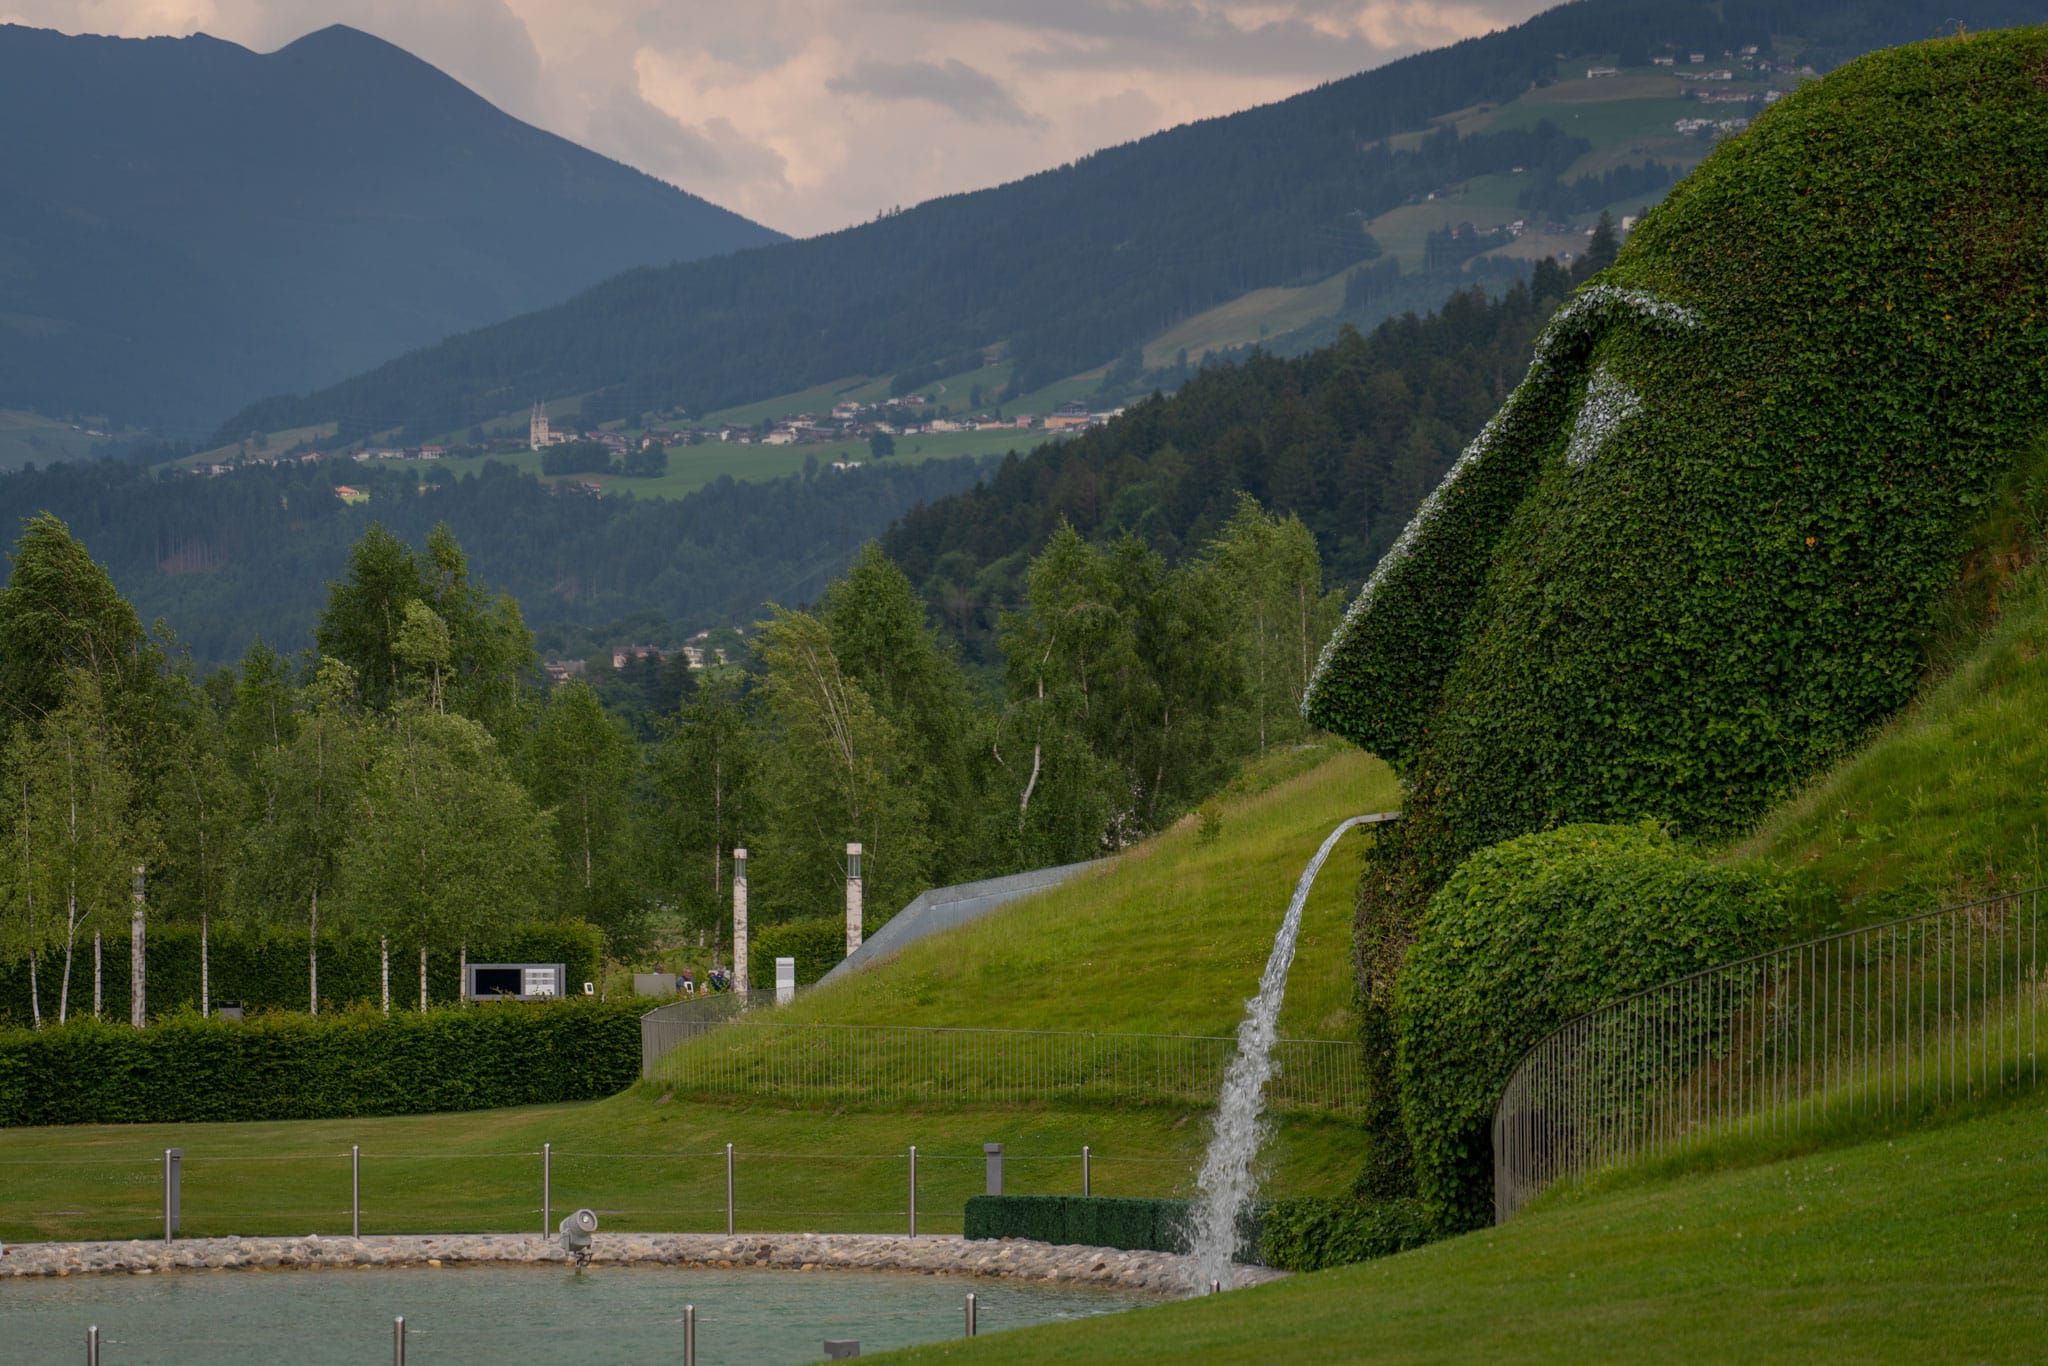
[(1608, 404)]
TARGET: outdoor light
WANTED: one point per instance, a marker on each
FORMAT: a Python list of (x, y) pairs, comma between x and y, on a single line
[(576, 1231)]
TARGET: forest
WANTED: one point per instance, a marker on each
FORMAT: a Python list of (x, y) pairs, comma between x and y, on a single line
[(409, 780), (246, 555), (1348, 439)]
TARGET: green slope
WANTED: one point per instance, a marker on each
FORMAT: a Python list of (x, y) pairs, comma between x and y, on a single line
[(1915, 1247)]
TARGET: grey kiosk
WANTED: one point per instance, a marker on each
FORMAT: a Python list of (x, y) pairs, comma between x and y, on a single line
[(516, 981)]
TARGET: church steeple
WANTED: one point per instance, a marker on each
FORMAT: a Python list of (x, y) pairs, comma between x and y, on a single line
[(537, 434)]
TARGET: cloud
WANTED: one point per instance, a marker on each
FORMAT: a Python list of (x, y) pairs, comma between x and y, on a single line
[(809, 115), (951, 84)]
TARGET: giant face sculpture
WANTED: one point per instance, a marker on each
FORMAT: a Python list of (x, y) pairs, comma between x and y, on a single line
[(1697, 553)]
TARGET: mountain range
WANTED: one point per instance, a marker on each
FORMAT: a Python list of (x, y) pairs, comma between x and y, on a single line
[(1074, 267), (186, 225)]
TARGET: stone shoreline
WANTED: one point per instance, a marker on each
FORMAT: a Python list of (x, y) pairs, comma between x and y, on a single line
[(936, 1254)]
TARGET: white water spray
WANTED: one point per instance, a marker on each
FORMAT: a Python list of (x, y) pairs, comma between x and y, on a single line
[(1226, 1182)]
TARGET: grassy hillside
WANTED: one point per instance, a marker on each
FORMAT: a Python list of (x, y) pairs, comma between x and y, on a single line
[(1169, 938), (1912, 1246), (1943, 804)]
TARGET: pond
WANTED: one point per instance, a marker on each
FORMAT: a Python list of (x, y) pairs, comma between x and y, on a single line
[(539, 1313)]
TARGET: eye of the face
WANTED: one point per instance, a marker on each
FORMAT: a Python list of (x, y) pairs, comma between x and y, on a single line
[(1608, 404)]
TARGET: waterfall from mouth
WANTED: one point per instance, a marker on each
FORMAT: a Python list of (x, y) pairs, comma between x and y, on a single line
[(1226, 1181)]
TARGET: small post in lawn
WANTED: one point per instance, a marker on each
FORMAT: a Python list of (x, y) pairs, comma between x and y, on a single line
[(728, 1189), (1084, 1169), (913, 1190), (992, 1153), (355, 1190), (547, 1188)]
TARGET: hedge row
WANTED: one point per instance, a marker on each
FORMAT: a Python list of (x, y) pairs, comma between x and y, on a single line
[(264, 968), (1097, 1221), (187, 1069), (1312, 1234), (817, 944), (1525, 936)]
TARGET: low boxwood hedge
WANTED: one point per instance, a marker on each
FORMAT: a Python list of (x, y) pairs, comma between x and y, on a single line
[(186, 1069), (1134, 1225), (1311, 1234)]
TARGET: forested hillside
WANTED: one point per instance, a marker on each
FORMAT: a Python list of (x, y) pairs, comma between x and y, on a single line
[(1072, 267), (307, 212), (225, 560), (1349, 439)]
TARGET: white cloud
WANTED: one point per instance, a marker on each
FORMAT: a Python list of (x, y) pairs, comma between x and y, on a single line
[(812, 114)]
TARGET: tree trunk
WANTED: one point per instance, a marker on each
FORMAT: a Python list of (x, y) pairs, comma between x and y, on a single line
[(384, 952), (35, 992), (70, 939), (205, 971), (97, 976), (423, 979), (462, 974)]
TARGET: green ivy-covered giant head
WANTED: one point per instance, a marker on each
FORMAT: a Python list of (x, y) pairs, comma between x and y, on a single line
[(1698, 551)]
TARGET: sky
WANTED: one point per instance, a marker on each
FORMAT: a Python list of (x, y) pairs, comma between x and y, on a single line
[(811, 115)]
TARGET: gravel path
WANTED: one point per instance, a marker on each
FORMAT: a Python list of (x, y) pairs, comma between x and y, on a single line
[(1160, 1272)]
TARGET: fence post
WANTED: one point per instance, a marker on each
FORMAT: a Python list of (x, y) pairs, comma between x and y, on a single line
[(992, 1154), (355, 1190), (173, 1172), (1084, 1169), (547, 1188), (728, 1190), (913, 1190)]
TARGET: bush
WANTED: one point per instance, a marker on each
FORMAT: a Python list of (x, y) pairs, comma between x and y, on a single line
[(186, 1069), (1527, 935), (1097, 1221), (817, 945), (1312, 1234), (265, 969)]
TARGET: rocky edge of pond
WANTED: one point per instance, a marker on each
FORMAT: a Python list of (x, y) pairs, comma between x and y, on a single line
[(935, 1254)]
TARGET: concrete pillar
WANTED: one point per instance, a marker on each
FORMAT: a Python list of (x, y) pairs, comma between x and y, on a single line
[(739, 920), (853, 894), (138, 1010)]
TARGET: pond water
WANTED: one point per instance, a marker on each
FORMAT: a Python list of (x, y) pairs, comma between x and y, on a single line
[(541, 1313)]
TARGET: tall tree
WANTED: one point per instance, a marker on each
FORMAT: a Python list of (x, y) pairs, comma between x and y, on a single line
[(582, 767), (60, 614), (1269, 568), (704, 782), (833, 770), (446, 845)]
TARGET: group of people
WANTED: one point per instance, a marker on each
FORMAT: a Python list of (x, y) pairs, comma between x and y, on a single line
[(718, 979)]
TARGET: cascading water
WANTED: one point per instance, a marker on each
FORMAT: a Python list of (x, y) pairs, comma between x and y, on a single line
[(1226, 1178)]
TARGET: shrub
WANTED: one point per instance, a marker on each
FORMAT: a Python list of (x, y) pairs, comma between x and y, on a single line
[(1527, 935), (1312, 1234), (1098, 1221), (816, 944), (265, 969), (187, 1069)]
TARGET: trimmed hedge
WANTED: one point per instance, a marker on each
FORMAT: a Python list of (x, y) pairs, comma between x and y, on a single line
[(186, 1069), (817, 944), (1313, 1234), (1527, 935), (1097, 1221), (265, 969)]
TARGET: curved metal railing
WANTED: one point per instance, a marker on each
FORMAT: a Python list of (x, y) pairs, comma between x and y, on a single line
[(1890, 1018)]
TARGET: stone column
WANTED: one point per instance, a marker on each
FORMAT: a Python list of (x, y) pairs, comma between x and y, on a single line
[(137, 1006), (739, 920), (853, 891)]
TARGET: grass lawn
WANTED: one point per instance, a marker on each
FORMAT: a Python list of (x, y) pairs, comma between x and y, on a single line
[(642, 1163), (27, 437), (1923, 1246)]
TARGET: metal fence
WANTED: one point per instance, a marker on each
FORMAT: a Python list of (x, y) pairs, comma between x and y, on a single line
[(898, 1063), (1894, 1018)]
